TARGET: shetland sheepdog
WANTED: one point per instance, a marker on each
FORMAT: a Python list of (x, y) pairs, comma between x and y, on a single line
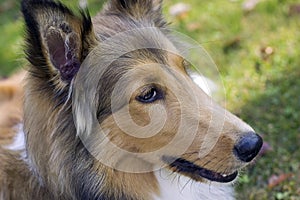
[(111, 112)]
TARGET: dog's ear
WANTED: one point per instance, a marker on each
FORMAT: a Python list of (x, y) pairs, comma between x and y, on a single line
[(140, 10), (57, 40)]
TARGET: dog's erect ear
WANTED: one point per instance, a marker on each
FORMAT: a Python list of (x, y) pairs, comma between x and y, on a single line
[(57, 40), (140, 10)]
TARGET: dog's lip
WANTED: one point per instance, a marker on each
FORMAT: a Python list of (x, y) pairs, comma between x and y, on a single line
[(196, 172)]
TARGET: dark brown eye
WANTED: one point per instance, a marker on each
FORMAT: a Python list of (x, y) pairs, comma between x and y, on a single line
[(150, 95)]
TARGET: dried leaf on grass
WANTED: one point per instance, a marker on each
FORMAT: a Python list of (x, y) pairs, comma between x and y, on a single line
[(275, 180), (266, 147), (179, 10), (294, 9), (249, 5), (193, 26)]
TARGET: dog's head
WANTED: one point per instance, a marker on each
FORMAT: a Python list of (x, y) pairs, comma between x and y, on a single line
[(135, 107)]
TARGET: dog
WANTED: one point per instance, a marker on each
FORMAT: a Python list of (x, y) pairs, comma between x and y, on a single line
[(111, 112), (11, 95)]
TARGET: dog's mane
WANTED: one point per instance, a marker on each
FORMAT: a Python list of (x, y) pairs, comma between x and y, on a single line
[(73, 176)]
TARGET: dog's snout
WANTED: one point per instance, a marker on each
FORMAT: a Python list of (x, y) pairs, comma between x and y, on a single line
[(248, 147)]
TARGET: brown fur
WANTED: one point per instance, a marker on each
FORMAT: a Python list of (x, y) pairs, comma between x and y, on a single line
[(64, 106), (11, 96)]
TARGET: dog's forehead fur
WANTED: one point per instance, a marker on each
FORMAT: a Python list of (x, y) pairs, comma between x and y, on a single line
[(115, 56), (138, 34), (127, 15)]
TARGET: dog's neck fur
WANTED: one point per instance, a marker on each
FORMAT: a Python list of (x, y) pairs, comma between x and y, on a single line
[(170, 185), (176, 187)]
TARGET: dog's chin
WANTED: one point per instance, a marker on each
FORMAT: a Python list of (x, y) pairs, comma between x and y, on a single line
[(197, 173)]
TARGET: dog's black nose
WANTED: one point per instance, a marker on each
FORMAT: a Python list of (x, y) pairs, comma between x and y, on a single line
[(248, 147)]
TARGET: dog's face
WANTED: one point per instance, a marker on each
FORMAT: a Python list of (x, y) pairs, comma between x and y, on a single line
[(134, 105)]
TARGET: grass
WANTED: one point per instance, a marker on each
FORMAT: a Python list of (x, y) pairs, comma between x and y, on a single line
[(11, 27), (258, 56)]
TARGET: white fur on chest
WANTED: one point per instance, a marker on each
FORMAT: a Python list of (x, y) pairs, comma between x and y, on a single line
[(174, 187), (18, 143)]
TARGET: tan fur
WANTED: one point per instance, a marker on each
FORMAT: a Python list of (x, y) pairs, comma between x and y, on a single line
[(11, 99), (88, 133)]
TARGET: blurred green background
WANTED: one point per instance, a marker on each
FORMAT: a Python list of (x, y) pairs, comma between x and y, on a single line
[(256, 46)]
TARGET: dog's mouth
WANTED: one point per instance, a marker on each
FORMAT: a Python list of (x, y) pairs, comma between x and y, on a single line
[(196, 172)]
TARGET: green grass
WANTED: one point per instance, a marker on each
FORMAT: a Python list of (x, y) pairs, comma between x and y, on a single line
[(262, 89), (11, 38)]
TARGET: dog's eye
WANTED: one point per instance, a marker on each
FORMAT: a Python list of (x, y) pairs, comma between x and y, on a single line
[(150, 95)]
